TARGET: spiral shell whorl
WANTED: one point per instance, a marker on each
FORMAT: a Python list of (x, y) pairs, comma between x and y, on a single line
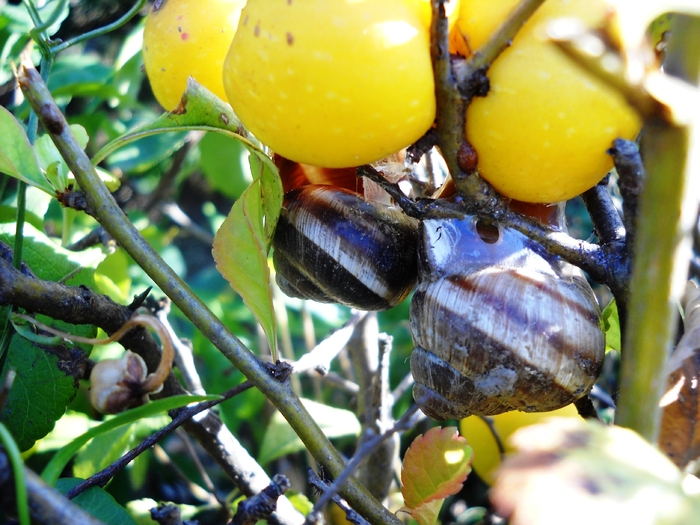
[(332, 246), (520, 333)]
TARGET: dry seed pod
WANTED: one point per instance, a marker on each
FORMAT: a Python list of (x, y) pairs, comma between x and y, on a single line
[(498, 324), (332, 246)]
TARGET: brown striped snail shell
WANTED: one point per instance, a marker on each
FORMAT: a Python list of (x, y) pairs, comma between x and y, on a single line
[(332, 246), (499, 324)]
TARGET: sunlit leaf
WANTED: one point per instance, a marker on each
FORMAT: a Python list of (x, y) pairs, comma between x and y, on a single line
[(280, 439), (611, 324), (240, 253), (434, 467), (102, 451), (199, 110), (54, 468), (17, 157), (224, 162), (51, 161)]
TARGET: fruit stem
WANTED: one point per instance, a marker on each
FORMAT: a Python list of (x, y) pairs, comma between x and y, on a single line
[(454, 90), (502, 37), (115, 222)]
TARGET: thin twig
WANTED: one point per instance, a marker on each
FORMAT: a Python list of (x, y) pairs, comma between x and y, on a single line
[(117, 224), (46, 504), (320, 485), (365, 448), (102, 477), (631, 176), (79, 305)]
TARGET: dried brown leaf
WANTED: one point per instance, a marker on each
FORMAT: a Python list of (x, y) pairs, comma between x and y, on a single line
[(679, 435)]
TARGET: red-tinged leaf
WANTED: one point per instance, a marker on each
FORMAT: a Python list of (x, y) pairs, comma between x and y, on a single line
[(240, 252), (434, 467)]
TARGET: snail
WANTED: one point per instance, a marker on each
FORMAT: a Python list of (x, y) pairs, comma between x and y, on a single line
[(498, 324), (331, 245)]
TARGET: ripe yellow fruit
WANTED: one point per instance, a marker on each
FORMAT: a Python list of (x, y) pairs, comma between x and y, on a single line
[(487, 455), (188, 38), (543, 130), (334, 83)]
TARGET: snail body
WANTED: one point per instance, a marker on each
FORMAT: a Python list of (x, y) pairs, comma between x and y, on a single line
[(499, 324), (331, 245)]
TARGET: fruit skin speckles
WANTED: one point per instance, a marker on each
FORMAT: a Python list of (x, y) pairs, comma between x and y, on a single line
[(343, 105), (184, 38)]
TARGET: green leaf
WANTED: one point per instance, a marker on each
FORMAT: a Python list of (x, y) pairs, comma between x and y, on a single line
[(17, 157), (102, 451), (112, 276), (81, 75), (611, 324), (200, 110), (97, 502), (51, 262), (272, 194), (71, 425), (46, 382), (47, 376), (281, 440), (50, 159), (434, 467), (53, 470), (240, 253), (224, 162)]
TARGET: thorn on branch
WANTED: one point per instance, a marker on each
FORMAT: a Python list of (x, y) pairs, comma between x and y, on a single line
[(140, 299)]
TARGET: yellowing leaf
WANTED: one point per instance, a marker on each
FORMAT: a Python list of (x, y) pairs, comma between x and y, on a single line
[(240, 252), (434, 467), (579, 471)]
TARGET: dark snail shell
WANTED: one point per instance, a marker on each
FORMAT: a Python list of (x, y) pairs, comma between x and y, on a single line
[(332, 246), (498, 324)]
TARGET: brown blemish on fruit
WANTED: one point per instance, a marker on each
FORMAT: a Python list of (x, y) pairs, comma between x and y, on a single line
[(179, 29), (256, 31), (245, 20), (290, 38)]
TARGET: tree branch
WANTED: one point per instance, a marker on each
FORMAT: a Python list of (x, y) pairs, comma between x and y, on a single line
[(80, 305), (117, 224), (46, 505)]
